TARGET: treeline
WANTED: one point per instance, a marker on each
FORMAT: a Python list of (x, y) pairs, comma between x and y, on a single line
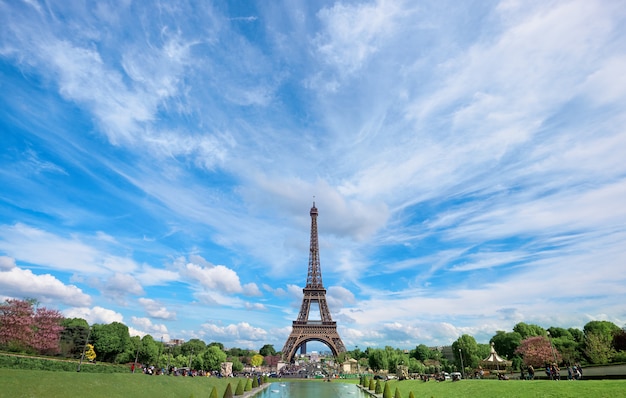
[(27, 328), (600, 342)]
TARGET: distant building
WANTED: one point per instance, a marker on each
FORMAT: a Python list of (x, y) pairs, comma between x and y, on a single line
[(175, 342)]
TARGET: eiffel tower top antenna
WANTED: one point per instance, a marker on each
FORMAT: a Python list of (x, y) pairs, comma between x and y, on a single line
[(314, 275)]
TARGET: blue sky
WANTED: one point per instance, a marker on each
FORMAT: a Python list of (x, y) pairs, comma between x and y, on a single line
[(159, 160)]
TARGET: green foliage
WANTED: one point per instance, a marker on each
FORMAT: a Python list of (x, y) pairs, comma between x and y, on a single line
[(239, 388), (387, 391), (213, 357), (469, 349), (213, 392), (421, 352), (229, 391), (255, 382), (525, 330), (193, 346), (397, 394), (411, 395), (416, 366), (148, 350), (377, 359), (267, 350), (506, 343), (237, 365), (110, 341), (216, 344), (378, 388), (248, 385), (598, 347), (372, 385)]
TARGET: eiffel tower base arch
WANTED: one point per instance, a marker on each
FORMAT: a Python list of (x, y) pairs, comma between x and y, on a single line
[(302, 334)]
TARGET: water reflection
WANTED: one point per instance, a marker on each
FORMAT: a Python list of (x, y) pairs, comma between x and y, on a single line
[(312, 389)]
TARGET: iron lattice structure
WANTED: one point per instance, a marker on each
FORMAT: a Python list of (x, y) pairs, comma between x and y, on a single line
[(303, 329)]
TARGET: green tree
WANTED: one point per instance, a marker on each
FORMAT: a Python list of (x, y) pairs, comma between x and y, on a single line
[(148, 350), (73, 336), (411, 395), (213, 357), (248, 386), (416, 366), (215, 343), (598, 347), (372, 385), (525, 330), (397, 393), (213, 392), (468, 348), (378, 360), (237, 365), (267, 350), (195, 346), (601, 327), (421, 352), (111, 341)]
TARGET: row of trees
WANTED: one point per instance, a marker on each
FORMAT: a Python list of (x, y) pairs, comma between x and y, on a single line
[(599, 342), (26, 327)]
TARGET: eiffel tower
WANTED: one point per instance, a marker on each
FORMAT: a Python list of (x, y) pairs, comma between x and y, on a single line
[(303, 329)]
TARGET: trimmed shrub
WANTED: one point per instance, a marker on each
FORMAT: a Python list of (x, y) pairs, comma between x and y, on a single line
[(229, 392), (255, 382), (387, 391), (397, 393), (239, 389), (372, 385), (379, 387), (248, 385), (213, 392), (411, 395)]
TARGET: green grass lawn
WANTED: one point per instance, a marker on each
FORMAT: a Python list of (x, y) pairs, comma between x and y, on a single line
[(512, 388), (17, 383)]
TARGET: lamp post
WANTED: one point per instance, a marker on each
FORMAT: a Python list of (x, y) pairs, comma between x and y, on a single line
[(462, 367), (136, 356), (84, 349)]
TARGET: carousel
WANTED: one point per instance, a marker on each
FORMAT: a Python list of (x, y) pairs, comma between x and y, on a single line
[(494, 362)]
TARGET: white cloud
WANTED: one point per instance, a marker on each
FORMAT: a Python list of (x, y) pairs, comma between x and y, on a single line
[(251, 289), (94, 315), (240, 331), (151, 328), (37, 246), (19, 283), (156, 309), (7, 263), (118, 285), (219, 277)]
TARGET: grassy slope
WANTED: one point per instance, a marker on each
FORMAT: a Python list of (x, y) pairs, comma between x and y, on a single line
[(34, 383), (512, 388)]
